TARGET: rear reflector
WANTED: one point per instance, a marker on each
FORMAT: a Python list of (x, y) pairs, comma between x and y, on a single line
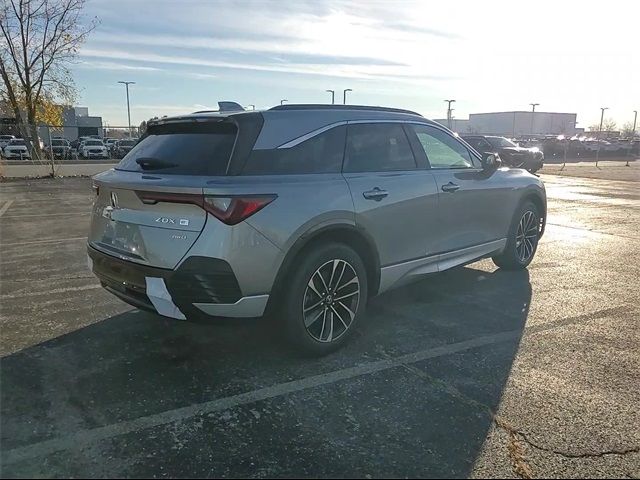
[(230, 209)]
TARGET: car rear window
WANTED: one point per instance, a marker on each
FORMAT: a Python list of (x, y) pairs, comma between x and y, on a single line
[(183, 149)]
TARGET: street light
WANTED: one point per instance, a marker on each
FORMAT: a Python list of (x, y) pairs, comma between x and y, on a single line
[(126, 84), (344, 95), (333, 96), (533, 114), (449, 102), (602, 109), (283, 100)]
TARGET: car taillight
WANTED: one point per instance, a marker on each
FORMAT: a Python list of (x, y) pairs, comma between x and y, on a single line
[(230, 210), (233, 210)]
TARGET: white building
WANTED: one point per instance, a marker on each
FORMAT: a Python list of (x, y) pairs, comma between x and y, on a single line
[(519, 123)]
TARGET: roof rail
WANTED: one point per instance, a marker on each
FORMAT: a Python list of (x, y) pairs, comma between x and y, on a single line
[(312, 106)]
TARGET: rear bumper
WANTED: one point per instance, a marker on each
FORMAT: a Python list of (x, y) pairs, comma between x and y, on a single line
[(199, 286)]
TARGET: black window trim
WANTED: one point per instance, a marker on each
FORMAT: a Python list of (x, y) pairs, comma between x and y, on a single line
[(402, 127)]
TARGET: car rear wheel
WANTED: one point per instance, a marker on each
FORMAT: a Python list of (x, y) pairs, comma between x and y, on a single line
[(326, 298), (522, 240)]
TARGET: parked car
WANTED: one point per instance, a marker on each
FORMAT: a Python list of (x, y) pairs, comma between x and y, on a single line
[(16, 148), (4, 139), (304, 211), (124, 146), (60, 148), (531, 159), (110, 143), (92, 148)]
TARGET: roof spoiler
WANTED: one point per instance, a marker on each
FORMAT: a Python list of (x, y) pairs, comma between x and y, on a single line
[(230, 107)]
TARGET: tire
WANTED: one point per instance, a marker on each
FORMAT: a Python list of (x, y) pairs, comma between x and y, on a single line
[(328, 326), (516, 255)]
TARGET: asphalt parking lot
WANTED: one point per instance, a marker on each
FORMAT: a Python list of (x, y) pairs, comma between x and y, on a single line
[(476, 372)]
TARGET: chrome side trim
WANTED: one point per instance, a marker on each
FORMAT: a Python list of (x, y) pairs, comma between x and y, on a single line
[(252, 306), (396, 275), (307, 136)]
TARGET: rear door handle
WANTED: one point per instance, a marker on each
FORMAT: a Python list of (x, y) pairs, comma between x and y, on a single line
[(450, 187), (375, 194)]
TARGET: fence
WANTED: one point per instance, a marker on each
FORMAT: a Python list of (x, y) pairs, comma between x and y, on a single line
[(59, 143)]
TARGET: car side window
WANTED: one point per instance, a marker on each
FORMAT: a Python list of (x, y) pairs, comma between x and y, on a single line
[(322, 153), (378, 147), (442, 150)]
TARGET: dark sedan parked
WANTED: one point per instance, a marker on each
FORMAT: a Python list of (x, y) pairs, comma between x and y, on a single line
[(122, 147), (512, 155)]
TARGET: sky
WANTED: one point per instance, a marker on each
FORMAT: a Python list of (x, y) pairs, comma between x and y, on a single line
[(487, 55)]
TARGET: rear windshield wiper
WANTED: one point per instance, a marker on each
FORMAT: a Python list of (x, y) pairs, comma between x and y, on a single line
[(151, 163)]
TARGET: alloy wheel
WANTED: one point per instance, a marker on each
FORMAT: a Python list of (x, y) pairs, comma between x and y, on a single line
[(331, 300), (526, 236)]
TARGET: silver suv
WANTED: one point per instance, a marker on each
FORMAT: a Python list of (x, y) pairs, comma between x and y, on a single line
[(304, 212)]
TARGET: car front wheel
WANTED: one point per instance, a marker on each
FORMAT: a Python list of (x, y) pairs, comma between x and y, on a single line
[(522, 239), (327, 296)]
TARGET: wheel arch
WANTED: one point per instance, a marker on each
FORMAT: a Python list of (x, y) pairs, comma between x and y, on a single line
[(539, 201), (348, 234)]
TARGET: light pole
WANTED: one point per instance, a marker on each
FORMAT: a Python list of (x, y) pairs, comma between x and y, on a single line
[(344, 95), (533, 114), (633, 134), (602, 109), (333, 96), (283, 100), (126, 84), (449, 102)]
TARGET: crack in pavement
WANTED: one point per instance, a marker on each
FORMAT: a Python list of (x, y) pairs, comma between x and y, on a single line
[(533, 444)]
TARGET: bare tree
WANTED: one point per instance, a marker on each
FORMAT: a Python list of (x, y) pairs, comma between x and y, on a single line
[(39, 40), (627, 130), (608, 125)]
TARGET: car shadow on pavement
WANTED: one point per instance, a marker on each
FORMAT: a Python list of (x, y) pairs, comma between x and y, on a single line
[(426, 412)]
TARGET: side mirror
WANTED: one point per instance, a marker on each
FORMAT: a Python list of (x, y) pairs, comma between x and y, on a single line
[(490, 161)]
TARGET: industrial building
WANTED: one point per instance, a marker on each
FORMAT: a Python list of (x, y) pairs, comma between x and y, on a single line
[(78, 123), (516, 123)]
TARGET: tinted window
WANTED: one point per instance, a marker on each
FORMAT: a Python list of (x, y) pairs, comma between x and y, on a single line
[(320, 154), (501, 142), (127, 143), (17, 142), (93, 143), (183, 149), (58, 142), (378, 147), (442, 150)]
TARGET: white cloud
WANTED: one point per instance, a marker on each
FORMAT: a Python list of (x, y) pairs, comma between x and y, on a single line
[(97, 65)]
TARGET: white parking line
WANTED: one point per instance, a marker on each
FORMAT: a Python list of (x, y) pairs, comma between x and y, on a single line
[(52, 240), (5, 207), (31, 293), (83, 438)]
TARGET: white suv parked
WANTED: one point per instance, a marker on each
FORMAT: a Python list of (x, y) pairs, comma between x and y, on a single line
[(93, 148), (16, 148)]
